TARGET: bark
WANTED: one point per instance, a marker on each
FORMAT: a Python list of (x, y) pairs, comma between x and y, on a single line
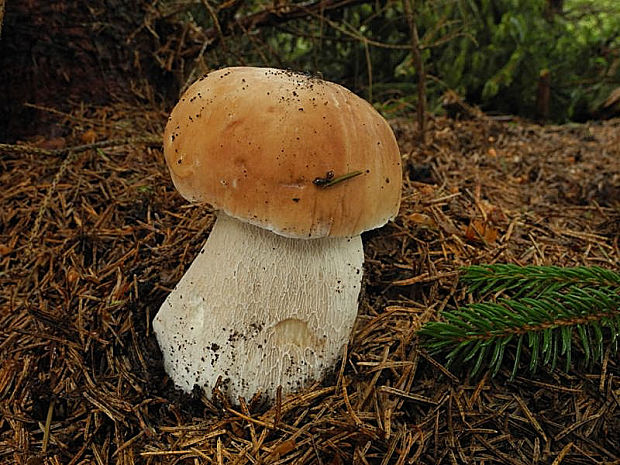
[(543, 95), (59, 54), (2, 7), (418, 63)]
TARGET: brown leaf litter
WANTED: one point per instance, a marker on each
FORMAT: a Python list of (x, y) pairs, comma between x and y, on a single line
[(92, 241)]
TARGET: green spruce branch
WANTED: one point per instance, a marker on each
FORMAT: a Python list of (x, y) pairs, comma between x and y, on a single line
[(544, 308), (535, 280)]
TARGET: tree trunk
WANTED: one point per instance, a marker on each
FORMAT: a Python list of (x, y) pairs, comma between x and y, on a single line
[(59, 54), (418, 63), (543, 96)]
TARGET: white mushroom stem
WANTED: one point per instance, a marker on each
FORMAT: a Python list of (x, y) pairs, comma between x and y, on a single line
[(260, 311)]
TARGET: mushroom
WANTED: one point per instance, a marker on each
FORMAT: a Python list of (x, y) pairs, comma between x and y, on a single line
[(296, 168)]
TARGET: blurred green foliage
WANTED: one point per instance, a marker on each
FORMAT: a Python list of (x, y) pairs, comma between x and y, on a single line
[(491, 52)]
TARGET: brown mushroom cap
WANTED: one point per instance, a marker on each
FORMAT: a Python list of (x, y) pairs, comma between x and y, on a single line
[(254, 143)]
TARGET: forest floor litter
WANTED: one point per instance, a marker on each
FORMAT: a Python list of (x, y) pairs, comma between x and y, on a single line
[(93, 240)]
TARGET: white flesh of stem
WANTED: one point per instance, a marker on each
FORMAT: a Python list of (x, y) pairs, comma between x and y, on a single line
[(260, 310)]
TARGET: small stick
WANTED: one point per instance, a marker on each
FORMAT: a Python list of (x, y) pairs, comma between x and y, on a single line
[(329, 180), (46, 430), (10, 149)]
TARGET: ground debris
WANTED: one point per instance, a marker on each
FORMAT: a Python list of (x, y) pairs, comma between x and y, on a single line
[(81, 379)]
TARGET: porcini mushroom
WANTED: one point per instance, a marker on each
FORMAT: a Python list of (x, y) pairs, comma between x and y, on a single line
[(296, 168)]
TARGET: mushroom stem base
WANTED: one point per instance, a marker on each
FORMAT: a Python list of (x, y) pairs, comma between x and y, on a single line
[(256, 310)]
